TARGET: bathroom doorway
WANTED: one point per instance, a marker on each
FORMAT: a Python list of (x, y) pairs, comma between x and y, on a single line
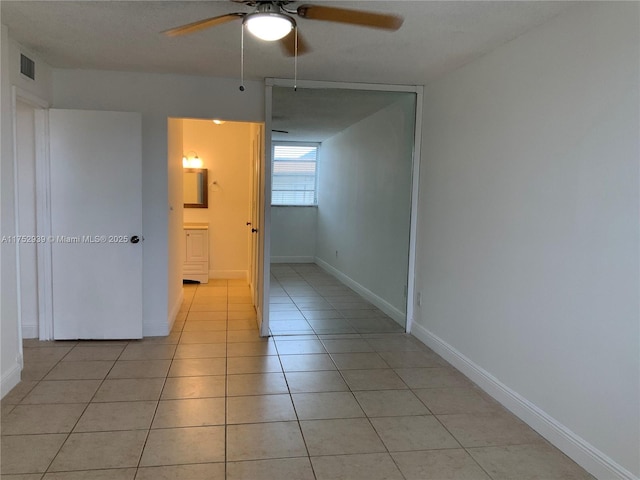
[(220, 221)]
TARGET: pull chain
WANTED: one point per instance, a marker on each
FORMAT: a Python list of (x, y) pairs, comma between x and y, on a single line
[(242, 59), (295, 61)]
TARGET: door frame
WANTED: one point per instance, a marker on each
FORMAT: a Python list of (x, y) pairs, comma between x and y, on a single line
[(264, 246), (43, 209), (415, 180)]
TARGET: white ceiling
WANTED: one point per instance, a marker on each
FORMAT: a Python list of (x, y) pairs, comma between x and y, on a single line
[(124, 35), (436, 37), (313, 115)]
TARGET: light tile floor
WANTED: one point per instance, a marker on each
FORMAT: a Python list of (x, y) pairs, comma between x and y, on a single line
[(304, 299), (213, 400)]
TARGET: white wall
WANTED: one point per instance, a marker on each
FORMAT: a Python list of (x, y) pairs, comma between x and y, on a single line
[(364, 202), (225, 151), (10, 338), (528, 229), (42, 86), (157, 97), (293, 234), (175, 238)]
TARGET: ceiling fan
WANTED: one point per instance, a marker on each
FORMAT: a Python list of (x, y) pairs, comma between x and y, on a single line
[(274, 21)]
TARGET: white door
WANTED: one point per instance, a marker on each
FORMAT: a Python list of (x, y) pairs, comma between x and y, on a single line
[(96, 217)]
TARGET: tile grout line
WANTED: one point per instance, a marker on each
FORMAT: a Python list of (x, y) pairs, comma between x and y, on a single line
[(295, 411), (85, 408), (226, 386), (164, 383), (373, 426)]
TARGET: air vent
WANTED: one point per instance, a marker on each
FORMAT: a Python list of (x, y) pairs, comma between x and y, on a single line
[(27, 67)]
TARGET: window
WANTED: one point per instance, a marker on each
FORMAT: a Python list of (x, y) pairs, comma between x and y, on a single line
[(294, 172)]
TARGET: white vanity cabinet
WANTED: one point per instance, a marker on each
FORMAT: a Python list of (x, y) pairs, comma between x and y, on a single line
[(196, 259)]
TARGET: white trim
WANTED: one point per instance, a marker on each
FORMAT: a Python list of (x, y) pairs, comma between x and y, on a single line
[(173, 311), (379, 302), (10, 378), (285, 82), (16, 216), (30, 331), (30, 98), (227, 274), (415, 191), (300, 259), (43, 226), (582, 452)]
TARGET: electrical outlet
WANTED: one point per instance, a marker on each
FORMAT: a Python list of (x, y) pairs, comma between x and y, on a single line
[(419, 299), (336, 253)]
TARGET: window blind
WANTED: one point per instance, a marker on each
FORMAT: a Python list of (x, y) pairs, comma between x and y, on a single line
[(294, 174)]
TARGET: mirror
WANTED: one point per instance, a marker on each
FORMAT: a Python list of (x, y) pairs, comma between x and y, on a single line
[(195, 188), (360, 227)]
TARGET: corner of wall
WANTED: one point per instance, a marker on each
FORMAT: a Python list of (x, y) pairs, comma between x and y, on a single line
[(30, 331), (175, 244), (10, 377), (175, 309)]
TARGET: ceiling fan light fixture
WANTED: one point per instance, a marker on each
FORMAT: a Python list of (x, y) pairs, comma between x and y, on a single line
[(269, 26)]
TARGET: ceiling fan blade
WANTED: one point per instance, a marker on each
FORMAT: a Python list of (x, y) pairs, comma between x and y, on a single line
[(352, 17), (288, 44), (202, 24)]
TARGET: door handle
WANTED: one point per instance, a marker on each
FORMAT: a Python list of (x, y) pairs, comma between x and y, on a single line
[(254, 230), (248, 223)]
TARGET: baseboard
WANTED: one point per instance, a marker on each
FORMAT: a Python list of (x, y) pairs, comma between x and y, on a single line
[(228, 274), (173, 311), (293, 259), (379, 302), (582, 452), (30, 331), (10, 379)]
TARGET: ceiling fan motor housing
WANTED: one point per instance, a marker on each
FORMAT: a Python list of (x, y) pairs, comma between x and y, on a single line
[(269, 22)]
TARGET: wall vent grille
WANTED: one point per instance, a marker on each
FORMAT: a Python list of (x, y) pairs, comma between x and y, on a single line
[(27, 67)]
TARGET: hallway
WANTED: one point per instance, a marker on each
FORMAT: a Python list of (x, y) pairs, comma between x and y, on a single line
[(214, 400)]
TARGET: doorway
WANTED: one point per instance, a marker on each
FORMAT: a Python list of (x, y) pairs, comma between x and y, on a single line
[(31, 177), (221, 231), (26, 216)]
